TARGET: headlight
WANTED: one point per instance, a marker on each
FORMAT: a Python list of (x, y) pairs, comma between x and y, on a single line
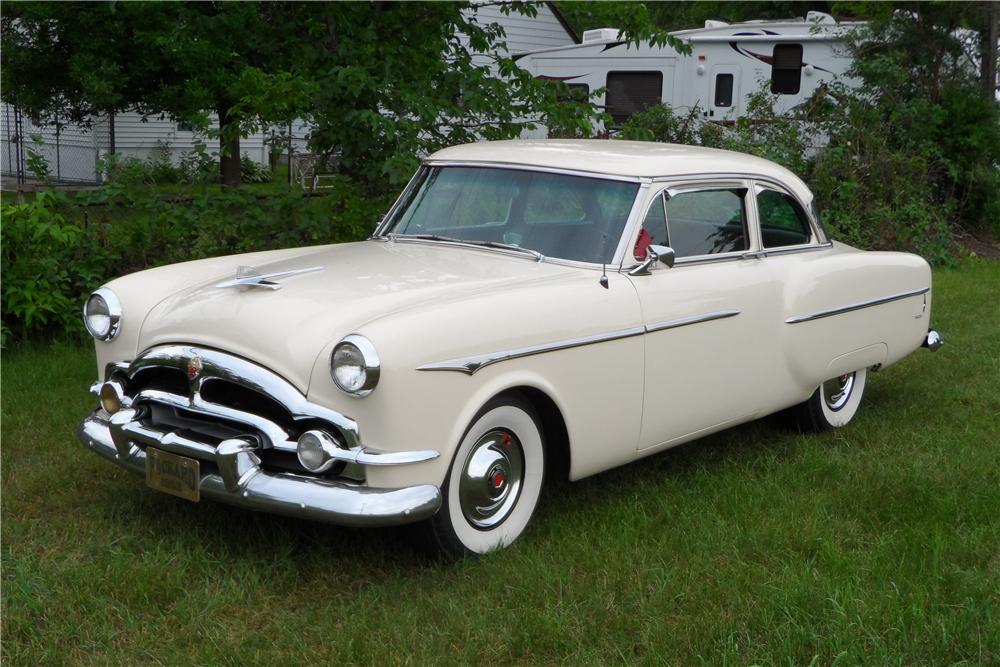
[(355, 365), (102, 314)]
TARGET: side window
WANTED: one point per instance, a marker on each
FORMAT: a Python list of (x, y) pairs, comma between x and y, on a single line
[(707, 222), (786, 69), (631, 92), (723, 90), (654, 229), (782, 220)]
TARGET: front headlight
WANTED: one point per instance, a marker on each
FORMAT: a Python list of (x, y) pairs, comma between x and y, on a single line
[(355, 365), (102, 314)]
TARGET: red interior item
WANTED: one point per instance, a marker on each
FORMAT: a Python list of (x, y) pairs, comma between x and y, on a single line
[(641, 245)]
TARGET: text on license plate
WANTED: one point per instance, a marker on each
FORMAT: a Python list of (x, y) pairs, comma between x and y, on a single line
[(176, 475)]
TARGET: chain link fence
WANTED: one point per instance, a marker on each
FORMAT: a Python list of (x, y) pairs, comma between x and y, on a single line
[(53, 153)]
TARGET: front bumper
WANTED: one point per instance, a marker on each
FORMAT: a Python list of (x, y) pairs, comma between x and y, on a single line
[(238, 479)]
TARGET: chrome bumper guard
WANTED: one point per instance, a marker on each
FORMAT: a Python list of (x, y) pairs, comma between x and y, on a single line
[(240, 480), (233, 472)]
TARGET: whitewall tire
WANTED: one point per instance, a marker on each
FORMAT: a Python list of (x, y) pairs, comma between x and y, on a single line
[(493, 484), (834, 403)]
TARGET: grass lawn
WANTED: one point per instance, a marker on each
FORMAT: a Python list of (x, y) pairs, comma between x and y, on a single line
[(876, 544)]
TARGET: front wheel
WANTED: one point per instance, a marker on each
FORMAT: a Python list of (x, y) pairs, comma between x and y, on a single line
[(834, 403), (494, 482)]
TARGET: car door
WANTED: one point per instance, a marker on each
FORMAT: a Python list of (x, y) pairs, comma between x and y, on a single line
[(709, 319)]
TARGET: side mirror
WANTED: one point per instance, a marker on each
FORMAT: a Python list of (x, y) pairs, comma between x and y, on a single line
[(655, 253), (663, 253), (378, 222)]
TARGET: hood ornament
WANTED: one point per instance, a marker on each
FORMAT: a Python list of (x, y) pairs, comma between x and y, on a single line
[(247, 276)]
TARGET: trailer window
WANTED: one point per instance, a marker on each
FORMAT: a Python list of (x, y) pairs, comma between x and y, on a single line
[(631, 92), (723, 90), (786, 69)]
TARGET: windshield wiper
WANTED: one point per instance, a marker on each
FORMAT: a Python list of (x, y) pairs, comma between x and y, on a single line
[(510, 246), (473, 242)]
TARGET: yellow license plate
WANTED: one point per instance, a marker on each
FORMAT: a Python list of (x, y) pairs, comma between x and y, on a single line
[(176, 475)]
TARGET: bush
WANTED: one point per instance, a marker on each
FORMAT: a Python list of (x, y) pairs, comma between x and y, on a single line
[(57, 249), (196, 167)]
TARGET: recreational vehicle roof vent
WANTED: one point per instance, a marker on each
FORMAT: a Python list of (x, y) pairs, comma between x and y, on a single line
[(601, 35), (715, 24), (820, 17)]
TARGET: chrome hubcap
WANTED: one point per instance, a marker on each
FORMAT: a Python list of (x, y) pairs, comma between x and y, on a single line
[(491, 479), (837, 391)]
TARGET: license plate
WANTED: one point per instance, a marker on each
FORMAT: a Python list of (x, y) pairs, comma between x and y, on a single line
[(176, 475)]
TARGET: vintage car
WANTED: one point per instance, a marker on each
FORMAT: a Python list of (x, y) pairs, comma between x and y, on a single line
[(526, 309)]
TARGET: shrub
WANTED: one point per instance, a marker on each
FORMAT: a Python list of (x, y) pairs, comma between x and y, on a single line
[(37, 282), (57, 249)]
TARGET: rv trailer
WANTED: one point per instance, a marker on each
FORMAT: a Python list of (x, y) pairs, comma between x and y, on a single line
[(727, 63)]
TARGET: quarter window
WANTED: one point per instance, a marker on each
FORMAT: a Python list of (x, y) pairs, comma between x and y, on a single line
[(782, 220), (786, 69), (631, 92)]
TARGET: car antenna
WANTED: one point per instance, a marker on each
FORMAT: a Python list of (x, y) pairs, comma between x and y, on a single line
[(604, 275)]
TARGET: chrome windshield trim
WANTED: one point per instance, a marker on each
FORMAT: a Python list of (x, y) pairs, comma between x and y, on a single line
[(694, 319), (473, 363), (523, 253), (517, 166), (855, 306)]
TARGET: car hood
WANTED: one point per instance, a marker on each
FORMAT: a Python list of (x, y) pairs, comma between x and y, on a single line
[(285, 329)]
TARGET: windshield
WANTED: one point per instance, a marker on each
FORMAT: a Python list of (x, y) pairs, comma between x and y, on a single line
[(568, 217)]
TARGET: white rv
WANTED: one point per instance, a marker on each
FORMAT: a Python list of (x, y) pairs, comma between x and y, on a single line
[(727, 63)]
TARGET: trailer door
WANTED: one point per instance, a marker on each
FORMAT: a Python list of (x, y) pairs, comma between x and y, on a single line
[(723, 99)]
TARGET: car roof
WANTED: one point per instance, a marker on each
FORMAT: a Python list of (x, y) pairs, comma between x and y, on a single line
[(639, 159)]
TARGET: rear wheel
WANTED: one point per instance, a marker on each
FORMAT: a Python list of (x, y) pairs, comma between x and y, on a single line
[(494, 482), (834, 403)]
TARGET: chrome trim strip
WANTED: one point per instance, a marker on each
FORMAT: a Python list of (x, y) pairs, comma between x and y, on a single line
[(855, 306), (242, 482), (694, 319), (471, 364)]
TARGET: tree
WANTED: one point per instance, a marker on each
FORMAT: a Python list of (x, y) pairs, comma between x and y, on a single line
[(381, 81), (80, 59), (387, 81)]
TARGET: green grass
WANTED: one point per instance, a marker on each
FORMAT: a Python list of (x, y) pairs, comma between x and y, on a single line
[(875, 544)]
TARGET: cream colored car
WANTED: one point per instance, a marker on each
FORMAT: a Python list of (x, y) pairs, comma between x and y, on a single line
[(527, 309)]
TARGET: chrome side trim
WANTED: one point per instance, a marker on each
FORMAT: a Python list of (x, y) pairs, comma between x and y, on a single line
[(471, 364), (242, 482), (694, 319), (855, 306)]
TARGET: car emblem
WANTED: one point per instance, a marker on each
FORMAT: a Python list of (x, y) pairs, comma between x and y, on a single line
[(194, 367)]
